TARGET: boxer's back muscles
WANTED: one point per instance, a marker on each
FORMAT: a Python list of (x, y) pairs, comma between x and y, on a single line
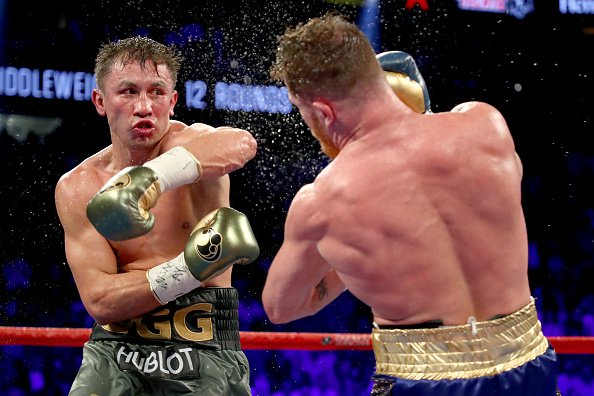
[(443, 228)]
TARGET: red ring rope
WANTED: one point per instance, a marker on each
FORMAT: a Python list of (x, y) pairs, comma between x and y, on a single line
[(76, 337)]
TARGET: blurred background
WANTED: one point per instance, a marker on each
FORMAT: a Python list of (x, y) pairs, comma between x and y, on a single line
[(532, 59)]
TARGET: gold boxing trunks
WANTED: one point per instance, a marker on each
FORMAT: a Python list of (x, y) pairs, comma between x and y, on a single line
[(454, 352)]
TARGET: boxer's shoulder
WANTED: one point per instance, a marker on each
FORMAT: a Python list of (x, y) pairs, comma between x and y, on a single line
[(304, 211), (473, 106), (479, 112), (85, 178)]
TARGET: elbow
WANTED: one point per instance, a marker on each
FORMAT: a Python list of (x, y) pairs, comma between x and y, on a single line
[(97, 309), (277, 321), (101, 321), (239, 142), (98, 316), (276, 317), (275, 314), (244, 149), (249, 146)]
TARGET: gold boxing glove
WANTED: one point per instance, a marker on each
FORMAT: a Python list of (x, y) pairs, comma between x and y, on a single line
[(406, 80), (221, 239), (120, 210)]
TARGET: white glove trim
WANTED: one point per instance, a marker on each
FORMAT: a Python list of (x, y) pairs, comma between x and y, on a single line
[(171, 279), (175, 168)]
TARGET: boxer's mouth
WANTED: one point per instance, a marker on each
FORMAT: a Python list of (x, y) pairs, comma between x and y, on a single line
[(144, 126)]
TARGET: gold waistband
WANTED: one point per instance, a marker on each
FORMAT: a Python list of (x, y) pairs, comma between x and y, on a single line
[(454, 352)]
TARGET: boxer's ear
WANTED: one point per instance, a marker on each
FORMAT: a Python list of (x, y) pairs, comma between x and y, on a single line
[(97, 98), (324, 111)]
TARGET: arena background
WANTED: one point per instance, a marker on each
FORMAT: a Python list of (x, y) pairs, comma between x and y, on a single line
[(530, 59)]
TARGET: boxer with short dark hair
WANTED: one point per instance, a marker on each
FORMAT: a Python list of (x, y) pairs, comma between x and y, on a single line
[(151, 240), (418, 215)]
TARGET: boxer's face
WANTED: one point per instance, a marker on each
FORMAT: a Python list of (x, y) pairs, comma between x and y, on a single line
[(138, 102)]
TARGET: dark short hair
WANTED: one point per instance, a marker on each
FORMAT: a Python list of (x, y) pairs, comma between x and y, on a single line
[(132, 49), (327, 55)]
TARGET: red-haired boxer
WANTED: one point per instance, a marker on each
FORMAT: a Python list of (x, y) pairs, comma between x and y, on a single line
[(158, 287), (418, 215)]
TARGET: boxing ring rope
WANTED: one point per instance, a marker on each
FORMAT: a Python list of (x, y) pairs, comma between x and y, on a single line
[(254, 340)]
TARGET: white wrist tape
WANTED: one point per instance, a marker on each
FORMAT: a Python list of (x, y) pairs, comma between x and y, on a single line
[(175, 168), (171, 279)]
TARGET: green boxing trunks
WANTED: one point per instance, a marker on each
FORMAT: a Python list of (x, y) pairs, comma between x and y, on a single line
[(190, 346)]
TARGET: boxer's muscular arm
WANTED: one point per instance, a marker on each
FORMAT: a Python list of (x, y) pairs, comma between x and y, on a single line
[(121, 208), (219, 150), (107, 295), (300, 282)]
